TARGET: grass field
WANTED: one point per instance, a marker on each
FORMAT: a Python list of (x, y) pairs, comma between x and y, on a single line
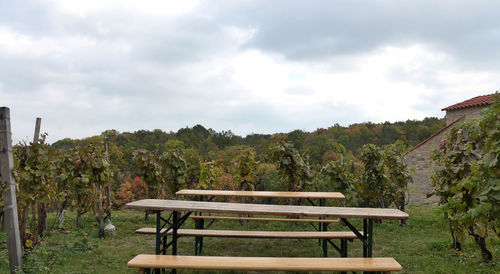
[(420, 247)]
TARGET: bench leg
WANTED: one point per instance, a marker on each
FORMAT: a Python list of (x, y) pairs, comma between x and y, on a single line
[(198, 241), (199, 224), (368, 235), (176, 225), (365, 252), (370, 238), (325, 241)]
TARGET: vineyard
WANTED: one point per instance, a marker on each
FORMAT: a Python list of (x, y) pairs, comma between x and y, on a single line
[(94, 177)]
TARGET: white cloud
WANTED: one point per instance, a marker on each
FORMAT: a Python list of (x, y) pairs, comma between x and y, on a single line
[(87, 66), (83, 8)]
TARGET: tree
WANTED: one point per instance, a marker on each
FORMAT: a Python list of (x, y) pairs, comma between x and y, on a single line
[(100, 173), (34, 166), (486, 173), (338, 176), (150, 171), (296, 137), (398, 174), (209, 173), (466, 179), (174, 170), (293, 168), (244, 167), (76, 165), (374, 189), (130, 190), (192, 158)]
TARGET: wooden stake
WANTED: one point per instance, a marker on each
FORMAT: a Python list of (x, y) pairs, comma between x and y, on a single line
[(37, 129), (41, 209), (9, 195), (108, 198)]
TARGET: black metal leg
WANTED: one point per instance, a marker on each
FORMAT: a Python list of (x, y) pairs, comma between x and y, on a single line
[(366, 238), (161, 237), (365, 248), (160, 240), (370, 238), (158, 232), (164, 251), (200, 247), (325, 243), (368, 233), (198, 241), (321, 227), (175, 222), (343, 247), (175, 226)]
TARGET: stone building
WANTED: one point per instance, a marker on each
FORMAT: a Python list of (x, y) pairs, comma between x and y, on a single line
[(419, 158)]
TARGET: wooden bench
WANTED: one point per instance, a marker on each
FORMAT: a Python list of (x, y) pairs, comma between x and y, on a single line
[(262, 219), (321, 235), (256, 234), (146, 262), (322, 227)]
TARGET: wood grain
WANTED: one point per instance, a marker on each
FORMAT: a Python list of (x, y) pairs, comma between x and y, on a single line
[(264, 263), (264, 219), (262, 194), (262, 209)]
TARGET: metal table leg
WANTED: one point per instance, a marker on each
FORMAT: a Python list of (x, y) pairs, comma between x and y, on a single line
[(325, 228), (161, 237), (366, 238)]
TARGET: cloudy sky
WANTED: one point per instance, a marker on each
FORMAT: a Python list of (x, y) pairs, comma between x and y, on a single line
[(246, 66)]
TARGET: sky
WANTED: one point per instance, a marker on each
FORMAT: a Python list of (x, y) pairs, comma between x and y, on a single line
[(245, 66)]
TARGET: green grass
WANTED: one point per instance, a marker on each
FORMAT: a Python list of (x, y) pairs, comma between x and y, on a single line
[(423, 246)]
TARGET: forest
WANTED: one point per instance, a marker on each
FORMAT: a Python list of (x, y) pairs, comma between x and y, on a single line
[(201, 145)]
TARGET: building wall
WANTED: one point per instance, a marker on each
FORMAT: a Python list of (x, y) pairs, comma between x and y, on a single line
[(419, 160), (469, 113)]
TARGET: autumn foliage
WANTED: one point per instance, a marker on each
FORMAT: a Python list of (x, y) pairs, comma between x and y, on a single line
[(130, 190)]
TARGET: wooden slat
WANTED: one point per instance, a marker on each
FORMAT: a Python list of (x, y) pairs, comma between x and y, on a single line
[(149, 230), (257, 234), (263, 219), (267, 194), (261, 209), (264, 263)]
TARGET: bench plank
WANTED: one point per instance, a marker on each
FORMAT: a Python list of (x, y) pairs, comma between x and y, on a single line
[(264, 263), (262, 209), (263, 194), (256, 234), (263, 219)]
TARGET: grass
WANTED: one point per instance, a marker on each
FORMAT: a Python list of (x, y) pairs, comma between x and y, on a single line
[(422, 246)]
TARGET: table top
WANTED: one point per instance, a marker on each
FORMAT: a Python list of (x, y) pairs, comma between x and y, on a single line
[(264, 209), (267, 194)]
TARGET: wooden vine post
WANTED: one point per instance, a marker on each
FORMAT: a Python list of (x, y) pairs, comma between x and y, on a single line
[(9, 195), (40, 207)]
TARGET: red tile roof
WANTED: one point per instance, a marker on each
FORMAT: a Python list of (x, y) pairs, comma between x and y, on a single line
[(478, 101)]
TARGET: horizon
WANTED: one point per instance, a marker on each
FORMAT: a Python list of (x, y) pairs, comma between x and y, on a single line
[(242, 136)]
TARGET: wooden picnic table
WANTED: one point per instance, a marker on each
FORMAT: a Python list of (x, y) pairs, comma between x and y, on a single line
[(261, 194), (309, 196), (176, 220)]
